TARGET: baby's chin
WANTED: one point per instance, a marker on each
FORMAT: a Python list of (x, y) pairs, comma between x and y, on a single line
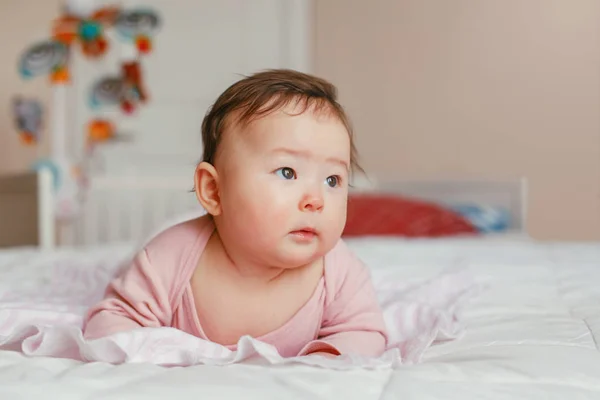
[(292, 257), (298, 262)]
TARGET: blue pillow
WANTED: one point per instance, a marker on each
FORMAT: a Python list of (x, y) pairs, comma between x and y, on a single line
[(486, 219)]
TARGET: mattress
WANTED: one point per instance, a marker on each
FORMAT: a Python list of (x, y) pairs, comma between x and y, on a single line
[(532, 334)]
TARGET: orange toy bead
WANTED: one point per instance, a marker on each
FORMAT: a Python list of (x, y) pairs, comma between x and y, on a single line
[(95, 48), (127, 107), (60, 75), (27, 138), (143, 44), (64, 30), (65, 38), (100, 131), (102, 44)]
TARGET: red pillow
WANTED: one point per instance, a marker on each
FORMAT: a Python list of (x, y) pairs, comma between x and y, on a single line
[(389, 215)]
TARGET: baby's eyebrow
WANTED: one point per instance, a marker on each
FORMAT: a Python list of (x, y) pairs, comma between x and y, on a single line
[(306, 154)]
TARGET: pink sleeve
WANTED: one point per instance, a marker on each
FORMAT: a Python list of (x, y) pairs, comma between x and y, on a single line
[(353, 321), (136, 298)]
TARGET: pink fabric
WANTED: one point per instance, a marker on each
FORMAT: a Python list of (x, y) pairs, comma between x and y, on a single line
[(343, 315)]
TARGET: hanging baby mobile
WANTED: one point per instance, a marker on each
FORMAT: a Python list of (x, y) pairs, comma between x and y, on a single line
[(83, 27), (125, 90), (28, 115)]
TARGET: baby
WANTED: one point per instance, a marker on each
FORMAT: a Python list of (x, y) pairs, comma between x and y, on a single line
[(267, 259)]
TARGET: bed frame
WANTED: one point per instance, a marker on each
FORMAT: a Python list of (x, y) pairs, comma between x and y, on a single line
[(130, 209)]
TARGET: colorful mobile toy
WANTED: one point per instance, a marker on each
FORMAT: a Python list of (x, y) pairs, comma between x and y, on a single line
[(83, 26), (88, 32), (87, 28), (126, 90), (28, 114), (102, 131), (47, 57), (139, 26)]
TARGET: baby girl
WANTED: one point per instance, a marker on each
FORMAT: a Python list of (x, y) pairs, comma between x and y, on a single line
[(267, 259)]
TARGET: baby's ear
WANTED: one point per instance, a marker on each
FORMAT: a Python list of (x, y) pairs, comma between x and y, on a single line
[(206, 181)]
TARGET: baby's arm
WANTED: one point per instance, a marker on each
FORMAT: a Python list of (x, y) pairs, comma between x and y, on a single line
[(136, 298), (353, 321)]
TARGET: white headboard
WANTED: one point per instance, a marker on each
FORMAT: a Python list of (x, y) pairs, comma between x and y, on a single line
[(510, 195)]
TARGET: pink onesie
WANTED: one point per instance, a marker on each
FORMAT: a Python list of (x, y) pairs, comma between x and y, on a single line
[(155, 291)]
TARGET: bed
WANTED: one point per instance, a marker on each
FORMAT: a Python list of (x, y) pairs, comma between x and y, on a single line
[(532, 333)]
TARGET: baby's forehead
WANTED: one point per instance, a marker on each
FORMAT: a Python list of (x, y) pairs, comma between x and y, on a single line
[(285, 126), (309, 127)]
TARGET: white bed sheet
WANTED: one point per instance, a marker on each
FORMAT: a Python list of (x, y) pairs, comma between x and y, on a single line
[(533, 334)]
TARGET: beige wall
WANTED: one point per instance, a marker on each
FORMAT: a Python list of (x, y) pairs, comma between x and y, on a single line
[(22, 23), (475, 89)]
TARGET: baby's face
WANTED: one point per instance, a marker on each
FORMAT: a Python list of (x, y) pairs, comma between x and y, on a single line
[(283, 182)]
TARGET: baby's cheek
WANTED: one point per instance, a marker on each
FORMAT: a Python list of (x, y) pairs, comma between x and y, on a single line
[(275, 203), (265, 215), (335, 221), (273, 219), (337, 209)]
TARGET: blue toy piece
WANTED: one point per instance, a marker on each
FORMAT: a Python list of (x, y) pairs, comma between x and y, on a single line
[(134, 23), (53, 168), (28, 117), (42, 58), (108, 91), (90, 30)]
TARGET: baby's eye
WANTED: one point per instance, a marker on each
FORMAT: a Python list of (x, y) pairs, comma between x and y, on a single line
[(333, 181), (286, 173)]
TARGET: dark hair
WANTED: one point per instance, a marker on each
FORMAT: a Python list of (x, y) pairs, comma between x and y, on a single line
[(265, 92)]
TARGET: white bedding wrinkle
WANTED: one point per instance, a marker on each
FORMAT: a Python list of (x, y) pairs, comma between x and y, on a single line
[(531, 334)]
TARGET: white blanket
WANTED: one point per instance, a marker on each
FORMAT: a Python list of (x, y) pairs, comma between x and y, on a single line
[(532, 334), (43, 317)]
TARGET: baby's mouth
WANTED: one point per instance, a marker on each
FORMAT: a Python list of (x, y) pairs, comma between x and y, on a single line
[(304, 234)]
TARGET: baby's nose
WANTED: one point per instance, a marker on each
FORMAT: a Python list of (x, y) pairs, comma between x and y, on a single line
[(313, 202)]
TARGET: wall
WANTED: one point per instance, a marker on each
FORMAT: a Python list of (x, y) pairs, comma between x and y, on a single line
[(22, 23), (475, 89)]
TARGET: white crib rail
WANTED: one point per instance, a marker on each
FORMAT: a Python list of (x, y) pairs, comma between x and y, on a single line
[(128, 209)]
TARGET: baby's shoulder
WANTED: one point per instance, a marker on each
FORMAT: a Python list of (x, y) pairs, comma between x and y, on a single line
[(341, 264), (175, 244), (343, 255)]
